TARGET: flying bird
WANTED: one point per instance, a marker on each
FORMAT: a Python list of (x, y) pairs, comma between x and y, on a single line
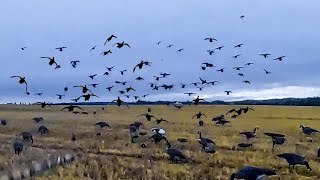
[(265, 55), (122, 72), (110, 38), (74, 63), (60, 96), (71, 108), (228, 92), (279, 58), (236, 56), (51, 60), (210, 39), (267, 72), (92, 76), (189, 94), (106, 53), (22, 80), (141, 64), (121, 45), (61, 48), (93, 48), (238, 45), (180, 50)]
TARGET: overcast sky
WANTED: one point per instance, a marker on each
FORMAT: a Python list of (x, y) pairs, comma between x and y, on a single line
[(282, 28)]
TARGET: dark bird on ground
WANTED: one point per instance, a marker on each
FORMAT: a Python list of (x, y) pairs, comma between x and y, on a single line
[(119, 102), (180, 50), (249, 134), (123, 83), (43, 130), (22, 80), (3, 122), (308, 130), (221, 117), (189, 94), (139, 78), (51, 60), (182, 140), (210, 39), (122, 72), (87, 97), (176, 155), (279, 58), (238, 45), (102, 124), (252, 173), (236, 56), (110, 38), (73, 138), (148, 116), (265, 55), (211, 52), (245, 145), (60, 96), (198, 115), (104, 53), (219, 48), (27, 136), (201, 123), (84, 89), (222, 122), (38, 119), (267, 72), (18, 148), (141, 64), (205, 142), (74, 63), (228, 92), (238, 68), (247, 82), (294, 159), (221, 70), (109, 88), (61, 48), (121, 45), (71, 108), (248, 64), (277, 139), (92, 76), (197, 101)]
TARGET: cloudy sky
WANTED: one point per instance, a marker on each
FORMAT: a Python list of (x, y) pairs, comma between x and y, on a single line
[(282, 28)]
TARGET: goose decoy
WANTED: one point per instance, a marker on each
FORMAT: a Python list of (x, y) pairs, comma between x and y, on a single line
[(294, 159), (252, 173), (121, 45), (222, 122), (27, 136), (249, 134), (104, 53), (245, 145), (210, 39), (18, 148), (308, 130), (22, 80), (73, 138), (43, 130), (176, 155), (279, 58), (71, 108), (277, 139), (201, 123), (102, 124), (265, 55), (61, 48), (204, 141), (110, 38), (38, 119), (209, 149)]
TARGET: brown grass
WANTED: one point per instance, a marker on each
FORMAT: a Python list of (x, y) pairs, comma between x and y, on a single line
[(113, 156)]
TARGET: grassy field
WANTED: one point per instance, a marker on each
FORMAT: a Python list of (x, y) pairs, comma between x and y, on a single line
[(113, 156)]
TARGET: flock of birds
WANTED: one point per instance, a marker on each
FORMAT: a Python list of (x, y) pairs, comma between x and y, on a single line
[(176, 155)]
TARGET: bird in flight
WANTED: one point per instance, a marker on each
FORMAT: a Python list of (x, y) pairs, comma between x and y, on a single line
[(93, 48), (119, 102), (221, 70), (210, 39), (197, 101), (92, 76), (60, 96), (141, 64), (210, 52), (71, 108), (22, 80), (51, 60), (139, 78), (110, 38), (248, 64), (161, 120), (236, 56), (122, 72), (219, 48), (265, 55), (189, 94), (23, 48), (180, 50), (247, 82), (121, 45), (157, 78), (74, 63), (238, 68), (267, 72), (169, 46), (118, 82), (109, 88), (84, 89), (61, 48), (228, 92), (106, 53), (94, 85), (110, 68), (279, 58), (242, 16), (38, 94), (238, 45), (129, 89), (43, 104), (203, 81), (159, 42), (241, 74), (87, 97), (164, 74), (208, 64)]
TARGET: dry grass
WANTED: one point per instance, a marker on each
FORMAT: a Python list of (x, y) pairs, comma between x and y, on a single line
[(113, 156)]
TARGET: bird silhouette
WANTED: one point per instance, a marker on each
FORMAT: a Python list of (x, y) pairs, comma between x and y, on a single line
[(43, 104), (122, 72), (208, 64), (87, 97), (267, 72), (141, 64), (221, 70), (219, 48), (93, 48), (189, 94), (238, 45), (265, 55), (165, 74), (60, 48), (247, 82), (139, 78), (94, 85), (238, 68), (279, 58), (51, 60), (104, 53), (84, 89), (92, 76), (241, 74), (121, 45), (129, 89), (109, 88), (210, 39), (60, 96), (198, 115), (180, 50), (169, 46), (228, 92), (38, 94), (119, 102), (110, 38), (236, 56), (74, 63), (22, 80), (158, 121), (248, 64), (212, 82), (211, 52), (119, 82), (242, 16), (23, 48), (110, 68), (71, 108), (197, 101)]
